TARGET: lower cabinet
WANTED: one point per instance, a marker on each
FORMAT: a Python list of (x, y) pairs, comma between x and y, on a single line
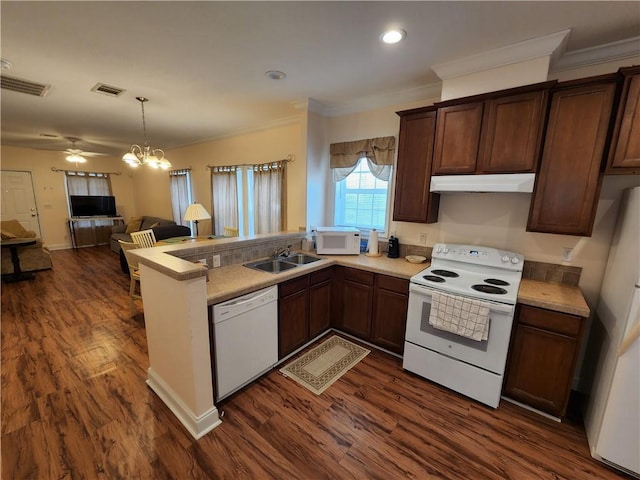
[(373, 307), (303, 309), (542, 358)]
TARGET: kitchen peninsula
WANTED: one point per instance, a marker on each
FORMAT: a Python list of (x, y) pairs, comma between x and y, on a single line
[(178, 293)]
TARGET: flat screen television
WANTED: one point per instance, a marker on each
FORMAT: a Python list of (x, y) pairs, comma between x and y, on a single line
[(93, 205)]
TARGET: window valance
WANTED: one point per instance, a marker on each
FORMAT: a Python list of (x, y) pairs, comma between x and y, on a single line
[(378, 151)]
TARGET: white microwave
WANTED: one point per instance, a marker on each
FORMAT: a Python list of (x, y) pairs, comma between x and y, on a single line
[(338, 241)]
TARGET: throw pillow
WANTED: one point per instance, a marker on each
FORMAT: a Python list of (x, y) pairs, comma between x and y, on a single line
[(134, 224), (7, 235)]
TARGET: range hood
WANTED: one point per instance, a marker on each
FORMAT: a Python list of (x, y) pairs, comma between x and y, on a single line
[(506, 182)]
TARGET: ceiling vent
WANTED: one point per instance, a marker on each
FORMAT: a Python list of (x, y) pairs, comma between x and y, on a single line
[(108, 90), (24, 86)]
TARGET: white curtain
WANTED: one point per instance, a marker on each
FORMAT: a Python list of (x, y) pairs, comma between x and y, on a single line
[(269, 205), (225, 198), (88, 183), (180, 198)]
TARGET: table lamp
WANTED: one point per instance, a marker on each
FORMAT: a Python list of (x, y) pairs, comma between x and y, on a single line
[(196, 212)]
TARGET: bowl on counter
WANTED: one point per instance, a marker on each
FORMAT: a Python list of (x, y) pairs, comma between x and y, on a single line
[(415, 258)]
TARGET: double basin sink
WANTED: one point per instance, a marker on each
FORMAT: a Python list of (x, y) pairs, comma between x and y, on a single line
[(282, 264)]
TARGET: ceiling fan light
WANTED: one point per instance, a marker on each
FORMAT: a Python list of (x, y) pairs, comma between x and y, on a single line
[(75, 158)]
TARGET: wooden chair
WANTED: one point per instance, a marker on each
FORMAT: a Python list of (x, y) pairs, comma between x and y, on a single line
[(134, 273), (144, 238), (230, 232)]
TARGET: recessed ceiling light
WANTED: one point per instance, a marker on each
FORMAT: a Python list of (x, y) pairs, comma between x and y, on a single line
[(393, 36), (275, 75)]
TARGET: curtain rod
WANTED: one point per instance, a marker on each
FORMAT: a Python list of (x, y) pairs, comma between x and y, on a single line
[(54, 169), (288, 160)]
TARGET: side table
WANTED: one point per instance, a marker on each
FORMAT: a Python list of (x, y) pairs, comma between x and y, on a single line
[(14, 244)]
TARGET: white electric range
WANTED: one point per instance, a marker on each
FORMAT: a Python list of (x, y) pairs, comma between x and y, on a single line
[(473, 368)]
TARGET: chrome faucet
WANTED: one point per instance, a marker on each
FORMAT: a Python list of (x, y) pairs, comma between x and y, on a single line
[(285, 252)]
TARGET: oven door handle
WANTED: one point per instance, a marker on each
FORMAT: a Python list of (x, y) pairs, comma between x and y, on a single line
[(426, 292)]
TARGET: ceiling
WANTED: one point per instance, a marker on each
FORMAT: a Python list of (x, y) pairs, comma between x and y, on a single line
[(202, 64)]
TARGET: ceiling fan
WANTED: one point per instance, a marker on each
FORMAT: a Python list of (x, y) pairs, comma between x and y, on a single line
[(76, 155)]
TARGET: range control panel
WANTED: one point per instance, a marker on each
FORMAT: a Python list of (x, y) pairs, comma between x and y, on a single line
[(474, 254)]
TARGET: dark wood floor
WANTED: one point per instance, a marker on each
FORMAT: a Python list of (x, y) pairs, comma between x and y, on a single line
[(75, 405)]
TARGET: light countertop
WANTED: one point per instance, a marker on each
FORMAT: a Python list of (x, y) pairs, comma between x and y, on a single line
[(235, 280)]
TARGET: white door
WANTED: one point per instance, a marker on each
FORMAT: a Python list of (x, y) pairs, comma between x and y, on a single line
[(19, 200)]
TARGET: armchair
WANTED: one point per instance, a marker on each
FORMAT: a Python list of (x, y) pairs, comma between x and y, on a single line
[(32, 258)]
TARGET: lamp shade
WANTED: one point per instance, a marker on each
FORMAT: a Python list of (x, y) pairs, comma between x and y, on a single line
[(196, 212)]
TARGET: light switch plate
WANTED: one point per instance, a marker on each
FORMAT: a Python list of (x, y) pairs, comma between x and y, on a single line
[(567, 254)]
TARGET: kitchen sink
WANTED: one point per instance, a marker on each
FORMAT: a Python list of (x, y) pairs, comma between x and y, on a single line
[(282, 264), (300, 259), (271, 266)]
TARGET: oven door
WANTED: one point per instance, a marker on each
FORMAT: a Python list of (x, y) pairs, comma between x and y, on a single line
[(490, 354)]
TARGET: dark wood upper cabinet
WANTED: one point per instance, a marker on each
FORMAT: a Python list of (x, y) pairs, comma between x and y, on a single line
[(413, 202), (511, 135), (495, 132), (457, 138), (568, 183), (624, 155)]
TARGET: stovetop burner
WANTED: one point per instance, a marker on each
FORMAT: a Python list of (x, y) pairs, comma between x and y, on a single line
[(497, 281), (472, 271), (489, 289), (445, 273), (433, 278)]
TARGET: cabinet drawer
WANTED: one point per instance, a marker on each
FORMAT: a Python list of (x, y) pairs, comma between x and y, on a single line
[(398, 285), (321, 275), (359, 276), (292, 286), (557, 322)]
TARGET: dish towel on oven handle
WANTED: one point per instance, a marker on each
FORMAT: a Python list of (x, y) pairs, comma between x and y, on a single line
[(463, 316)]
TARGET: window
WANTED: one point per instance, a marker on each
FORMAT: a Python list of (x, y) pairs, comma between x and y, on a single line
[(361, 199), (180, 184), (251, 198)]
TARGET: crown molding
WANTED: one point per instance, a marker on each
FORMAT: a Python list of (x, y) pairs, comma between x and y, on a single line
[(608, 52), (529, 49)]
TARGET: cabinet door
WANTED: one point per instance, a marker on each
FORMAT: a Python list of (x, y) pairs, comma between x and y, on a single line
[(390, 313), (624, 156), (319, 302), (512, 133), (540, 369), (457, 137), (412, 201), (357, 299), (568, 182), (293, 315)]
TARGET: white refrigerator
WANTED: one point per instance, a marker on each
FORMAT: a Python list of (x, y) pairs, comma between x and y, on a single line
[(612, 419)]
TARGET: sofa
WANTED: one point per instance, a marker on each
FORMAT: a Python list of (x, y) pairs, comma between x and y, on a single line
[(162, 229), (32, 257)]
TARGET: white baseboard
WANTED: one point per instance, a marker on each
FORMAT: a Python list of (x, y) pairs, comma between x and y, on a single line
[(197, 426)]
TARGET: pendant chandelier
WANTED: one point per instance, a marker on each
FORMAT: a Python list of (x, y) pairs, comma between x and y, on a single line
[(153, 157)]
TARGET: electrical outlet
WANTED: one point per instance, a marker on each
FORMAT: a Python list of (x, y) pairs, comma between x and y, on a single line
[(203, 260), (423, 238), (216, 261), (567, 254)]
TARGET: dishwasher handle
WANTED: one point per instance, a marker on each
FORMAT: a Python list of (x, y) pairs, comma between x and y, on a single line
[(245, 303)]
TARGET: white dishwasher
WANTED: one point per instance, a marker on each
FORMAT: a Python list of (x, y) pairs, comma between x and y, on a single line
[(245, 339)]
